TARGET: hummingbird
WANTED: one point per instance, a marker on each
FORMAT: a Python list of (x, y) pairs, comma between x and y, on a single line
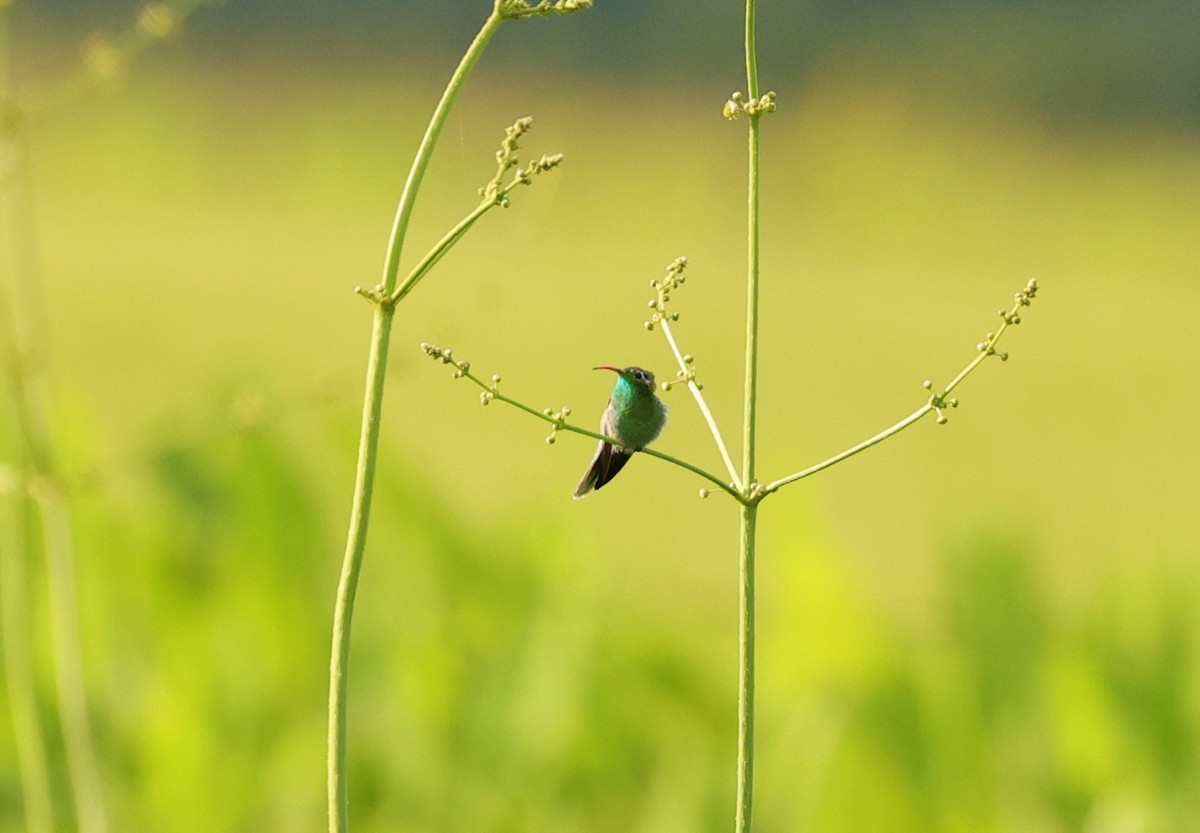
[(634, 416)]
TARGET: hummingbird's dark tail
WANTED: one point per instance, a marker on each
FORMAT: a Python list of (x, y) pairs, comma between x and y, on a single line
[(609, 460)]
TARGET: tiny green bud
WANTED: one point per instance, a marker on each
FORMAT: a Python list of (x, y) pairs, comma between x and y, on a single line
[(703, 493), (927, 384)]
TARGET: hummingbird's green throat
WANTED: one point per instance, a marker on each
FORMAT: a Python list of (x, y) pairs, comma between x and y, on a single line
[(634, 417)]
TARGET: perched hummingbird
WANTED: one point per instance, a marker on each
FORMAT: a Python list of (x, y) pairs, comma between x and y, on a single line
[(634, 415)]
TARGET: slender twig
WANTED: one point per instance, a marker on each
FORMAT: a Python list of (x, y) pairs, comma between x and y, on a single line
[(557, 419), (850, 452), (704, 409), (687, 371), (497, 196), (938, 402)]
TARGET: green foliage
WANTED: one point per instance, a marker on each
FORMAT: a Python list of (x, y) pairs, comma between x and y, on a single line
[(497, 689)]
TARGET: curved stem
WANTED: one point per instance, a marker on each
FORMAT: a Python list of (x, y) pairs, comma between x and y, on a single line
[(416, 173), (936, 402), (368, 447), (343, 611)]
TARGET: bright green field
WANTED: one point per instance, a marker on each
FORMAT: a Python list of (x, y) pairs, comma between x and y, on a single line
[(984, 626)]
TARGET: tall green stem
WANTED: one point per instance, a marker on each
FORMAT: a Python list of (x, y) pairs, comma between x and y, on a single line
[(745, 761), (43, 515), (745, 768), (368, 445), (16, 639)]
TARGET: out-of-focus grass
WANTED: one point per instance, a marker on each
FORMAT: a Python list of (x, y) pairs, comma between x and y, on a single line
[(977, 627)]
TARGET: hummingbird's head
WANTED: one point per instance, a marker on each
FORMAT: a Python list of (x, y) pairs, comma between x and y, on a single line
[(631, 374)]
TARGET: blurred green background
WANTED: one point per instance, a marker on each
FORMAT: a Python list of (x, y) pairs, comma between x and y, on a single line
[(986, 626)]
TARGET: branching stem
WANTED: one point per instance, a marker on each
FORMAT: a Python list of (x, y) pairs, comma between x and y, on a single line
[(558, 420), (746, 604), (456, 233), (368, 445), (385, 296), (937, 402)]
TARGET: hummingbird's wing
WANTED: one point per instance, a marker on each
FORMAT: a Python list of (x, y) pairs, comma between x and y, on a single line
[(607, 461)]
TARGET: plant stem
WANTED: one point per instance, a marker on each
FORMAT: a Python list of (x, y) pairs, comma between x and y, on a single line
[(850, 452), (745, 765), (416, 173), (935, 403), (29, 737), (665, 325), (745, 761), (343, 612), (439, 249), (561, 425), (368, 446), (77, 730)]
